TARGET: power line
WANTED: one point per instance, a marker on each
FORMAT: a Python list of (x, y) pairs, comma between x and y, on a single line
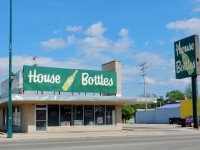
[(128, 87), (160, 66), (131, 90), (130, 83), (160, 86), (157, 89)]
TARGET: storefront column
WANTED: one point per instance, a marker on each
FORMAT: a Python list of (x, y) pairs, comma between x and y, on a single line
[(28, 118), (119, 117)]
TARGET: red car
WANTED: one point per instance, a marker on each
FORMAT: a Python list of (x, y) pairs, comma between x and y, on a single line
[(187, 121)]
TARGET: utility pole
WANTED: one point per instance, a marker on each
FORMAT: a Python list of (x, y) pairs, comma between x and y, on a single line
[(143, 74)]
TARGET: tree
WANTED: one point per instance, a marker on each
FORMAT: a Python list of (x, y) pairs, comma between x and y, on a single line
[(127, 113), (174, 95), (138, 106), (188, 91), (161, 101)]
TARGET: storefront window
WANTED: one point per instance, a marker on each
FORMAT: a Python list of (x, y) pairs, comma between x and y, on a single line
[(4, 117), (100, 115), (16, 117), (78, 115), (40, 114), (53, 115), (110, 115), (88, 115), (65, 115)]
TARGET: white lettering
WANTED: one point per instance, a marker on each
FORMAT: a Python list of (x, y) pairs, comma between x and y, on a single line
[(52, 80), (90, 80), (84, 78), (111, 82), (106, 81), (57, 79), (96, 80), (186, 66), (186, 48), (40, 78)]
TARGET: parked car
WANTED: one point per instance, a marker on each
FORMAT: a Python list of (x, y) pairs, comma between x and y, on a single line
[(187, 121)]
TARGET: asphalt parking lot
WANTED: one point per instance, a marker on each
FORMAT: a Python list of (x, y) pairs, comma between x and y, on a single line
[(155, 127)]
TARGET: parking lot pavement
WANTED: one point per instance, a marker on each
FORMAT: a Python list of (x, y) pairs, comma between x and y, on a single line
[(156, 127), (128, 130)]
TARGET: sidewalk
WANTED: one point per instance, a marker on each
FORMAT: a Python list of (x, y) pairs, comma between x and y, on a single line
[(128, 130)]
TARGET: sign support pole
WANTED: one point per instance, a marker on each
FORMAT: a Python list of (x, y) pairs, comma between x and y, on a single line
[(195, 102)]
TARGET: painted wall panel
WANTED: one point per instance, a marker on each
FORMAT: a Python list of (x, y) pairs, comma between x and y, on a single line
[(157, 116), (186, 108), (162, 115), (145, 117)]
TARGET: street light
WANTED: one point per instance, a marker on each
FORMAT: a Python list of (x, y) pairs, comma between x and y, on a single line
[(11, 78)]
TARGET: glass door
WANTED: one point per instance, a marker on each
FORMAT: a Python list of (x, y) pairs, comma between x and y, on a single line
[(40, 119)]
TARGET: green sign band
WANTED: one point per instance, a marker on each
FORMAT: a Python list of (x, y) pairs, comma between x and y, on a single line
[(186, 57), (68, 80)]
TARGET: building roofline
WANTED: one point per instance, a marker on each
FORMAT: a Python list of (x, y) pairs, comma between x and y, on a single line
[(111, 62)]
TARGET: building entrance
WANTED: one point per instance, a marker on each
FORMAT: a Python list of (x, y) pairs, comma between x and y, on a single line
[(41, 113)]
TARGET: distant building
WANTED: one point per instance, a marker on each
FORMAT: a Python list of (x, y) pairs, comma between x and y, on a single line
[(159, 115)]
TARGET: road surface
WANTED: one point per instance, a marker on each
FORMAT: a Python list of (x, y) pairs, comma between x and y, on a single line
[(158, 142)]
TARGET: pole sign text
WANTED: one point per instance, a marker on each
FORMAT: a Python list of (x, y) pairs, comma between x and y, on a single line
[(187, 57), (68, 80)]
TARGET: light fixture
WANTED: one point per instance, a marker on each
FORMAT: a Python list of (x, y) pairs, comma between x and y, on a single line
[(12, 76)]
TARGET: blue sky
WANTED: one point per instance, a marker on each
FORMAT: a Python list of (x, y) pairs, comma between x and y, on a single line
[(85, 34)]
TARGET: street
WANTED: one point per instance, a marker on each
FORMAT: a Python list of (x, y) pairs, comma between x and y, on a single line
[(164, 142)]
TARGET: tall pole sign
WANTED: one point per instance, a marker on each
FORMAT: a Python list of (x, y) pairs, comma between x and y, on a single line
[(187, 65)]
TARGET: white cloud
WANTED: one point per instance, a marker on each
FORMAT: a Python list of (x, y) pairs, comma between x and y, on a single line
[(129, 70), (173, 81), (171, 62), (191, 26), (124, 44), (74, 28), (150, 58), (161, 42), (173, 71), (56, 31), (95, 44), (70, 40), (149, 80), (197, 5), (56, 43), (123, 32), (197, 9), (96, 30)]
